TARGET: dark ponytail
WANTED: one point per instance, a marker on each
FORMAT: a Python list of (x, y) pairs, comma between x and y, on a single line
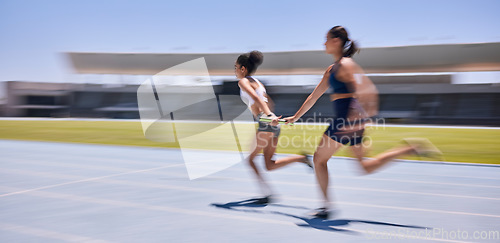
[(351, 50), (350, 47), (250, 61)]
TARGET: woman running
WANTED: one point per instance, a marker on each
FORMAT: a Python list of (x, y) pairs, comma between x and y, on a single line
[(253, 93), (342, 130)]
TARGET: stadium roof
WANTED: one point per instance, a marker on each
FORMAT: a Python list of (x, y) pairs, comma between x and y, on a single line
[(402, 59)]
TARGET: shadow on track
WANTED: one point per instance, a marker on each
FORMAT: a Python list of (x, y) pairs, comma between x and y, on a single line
[(253, 206)]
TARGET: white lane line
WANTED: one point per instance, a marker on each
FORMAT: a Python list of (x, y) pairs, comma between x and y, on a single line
[(441, 175), (32, 174), (120, 203), (47, 233), (86, 180), (217, 191), (400, 162), (122, 182), (334, 169), (148, 163), (348, 158), (419, 209), (415, 193), (417, 182), (368, 189), (144, 159), (200, 213), (119, 169), (166, 173), (109, 159), (363, 178), (70, 165)]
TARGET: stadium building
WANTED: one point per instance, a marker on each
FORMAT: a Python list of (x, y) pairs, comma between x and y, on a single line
[(429, 84)]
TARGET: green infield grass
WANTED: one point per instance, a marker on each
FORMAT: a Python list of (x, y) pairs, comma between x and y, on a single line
[(457, 144)]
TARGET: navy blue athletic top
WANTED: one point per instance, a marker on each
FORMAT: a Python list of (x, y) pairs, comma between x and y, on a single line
[(338, 86)]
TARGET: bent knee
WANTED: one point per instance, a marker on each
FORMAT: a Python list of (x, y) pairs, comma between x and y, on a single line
[(269, 164), (268, 167), (317, 160)]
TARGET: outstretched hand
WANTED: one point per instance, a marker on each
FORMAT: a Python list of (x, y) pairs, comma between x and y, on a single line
[(290, 119)]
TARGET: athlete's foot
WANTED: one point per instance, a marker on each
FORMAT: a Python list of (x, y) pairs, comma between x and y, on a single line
[(307, 159), (321, 213), (424, 148), (264, 200)]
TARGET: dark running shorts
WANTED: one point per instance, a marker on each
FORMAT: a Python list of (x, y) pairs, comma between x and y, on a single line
[(266, 127), (340, 130)]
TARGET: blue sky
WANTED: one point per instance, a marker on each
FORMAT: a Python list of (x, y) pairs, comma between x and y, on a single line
[(35, 33)]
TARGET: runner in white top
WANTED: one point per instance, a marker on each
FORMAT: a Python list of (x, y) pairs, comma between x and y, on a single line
[(253, 93), (260, 91)]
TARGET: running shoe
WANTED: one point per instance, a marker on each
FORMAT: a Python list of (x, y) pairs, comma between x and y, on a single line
[(263, 200), (307, 159), (321, 213), (423, 147)]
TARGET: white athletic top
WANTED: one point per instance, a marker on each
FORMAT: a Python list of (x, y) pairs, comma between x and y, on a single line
[(261, 91)]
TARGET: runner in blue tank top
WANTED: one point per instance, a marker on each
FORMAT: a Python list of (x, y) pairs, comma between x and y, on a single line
[(343, 129)]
